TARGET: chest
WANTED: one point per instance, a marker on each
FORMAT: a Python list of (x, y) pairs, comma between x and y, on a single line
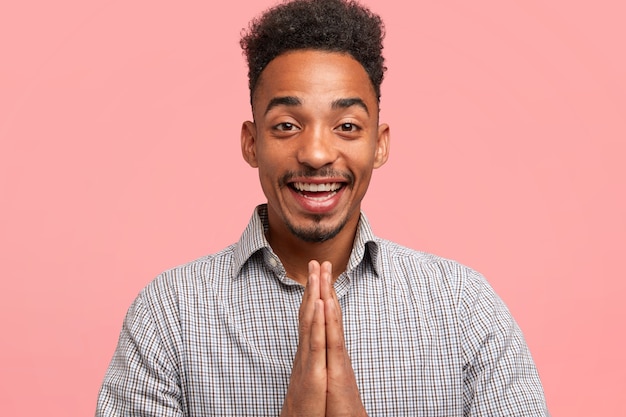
[(403, 348)]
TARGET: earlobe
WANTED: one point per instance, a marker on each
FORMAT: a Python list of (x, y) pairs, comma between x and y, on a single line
[(382, 146), (248, 143)]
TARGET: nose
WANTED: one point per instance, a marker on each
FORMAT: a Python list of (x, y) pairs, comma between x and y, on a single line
[(317, 148)]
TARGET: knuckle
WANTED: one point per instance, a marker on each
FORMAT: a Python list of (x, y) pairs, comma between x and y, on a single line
[(305, 327), (337, 347), (316, 347)]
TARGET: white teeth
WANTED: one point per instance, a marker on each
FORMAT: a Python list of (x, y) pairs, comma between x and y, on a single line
[(315, 188)]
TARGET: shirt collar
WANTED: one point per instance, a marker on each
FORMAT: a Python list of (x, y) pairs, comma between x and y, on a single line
[(253, 240)]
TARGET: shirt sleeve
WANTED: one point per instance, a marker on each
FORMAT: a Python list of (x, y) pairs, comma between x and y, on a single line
[(141, 379), (500, 377)]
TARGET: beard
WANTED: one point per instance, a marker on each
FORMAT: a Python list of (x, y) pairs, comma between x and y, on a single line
[(316, 233)]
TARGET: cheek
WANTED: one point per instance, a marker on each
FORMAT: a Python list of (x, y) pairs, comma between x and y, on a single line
[(273, 153), (362, 156), (267, 186), (269, 175)]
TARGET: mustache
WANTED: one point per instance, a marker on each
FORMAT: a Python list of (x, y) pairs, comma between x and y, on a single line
[(316, 173)]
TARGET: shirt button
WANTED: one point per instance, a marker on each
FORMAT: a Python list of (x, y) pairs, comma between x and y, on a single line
[(273, 262)]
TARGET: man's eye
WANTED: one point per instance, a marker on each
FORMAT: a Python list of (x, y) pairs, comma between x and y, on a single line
[(285, 127), (348, 127)]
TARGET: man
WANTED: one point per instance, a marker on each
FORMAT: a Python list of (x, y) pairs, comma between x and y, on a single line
[(310, 313)]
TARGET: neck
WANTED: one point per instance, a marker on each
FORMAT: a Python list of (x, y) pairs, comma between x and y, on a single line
[(295, 253)]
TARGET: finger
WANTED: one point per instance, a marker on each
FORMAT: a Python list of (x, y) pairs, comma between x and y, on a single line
[(311, 291), (335, 341), (327, 290), (317, 341), (314, 279), (308, 383), (307, 307), (326, 281)]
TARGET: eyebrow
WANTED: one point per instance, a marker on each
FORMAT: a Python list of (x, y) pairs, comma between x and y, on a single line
[(282, 101), (344, 103), (341, 103)]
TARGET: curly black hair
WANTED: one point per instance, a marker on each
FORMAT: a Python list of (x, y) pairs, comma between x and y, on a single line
[(331, 25)]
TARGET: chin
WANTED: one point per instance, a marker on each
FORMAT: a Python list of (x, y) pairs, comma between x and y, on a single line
[(316, 233)]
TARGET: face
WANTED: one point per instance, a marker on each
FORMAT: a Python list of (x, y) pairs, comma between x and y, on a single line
[(315, 140)]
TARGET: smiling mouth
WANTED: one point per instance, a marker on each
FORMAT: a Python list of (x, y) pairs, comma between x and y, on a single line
[(317, 191)]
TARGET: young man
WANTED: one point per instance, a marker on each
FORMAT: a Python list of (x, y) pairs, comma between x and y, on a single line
[(310, 313)]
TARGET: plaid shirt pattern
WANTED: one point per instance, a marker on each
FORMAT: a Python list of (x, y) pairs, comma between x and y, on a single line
[(217, 337)]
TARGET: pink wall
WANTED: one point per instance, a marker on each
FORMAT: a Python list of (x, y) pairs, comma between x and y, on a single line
[(119, 158)]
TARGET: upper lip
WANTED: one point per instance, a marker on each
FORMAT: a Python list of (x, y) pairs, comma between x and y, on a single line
[(318, 180)]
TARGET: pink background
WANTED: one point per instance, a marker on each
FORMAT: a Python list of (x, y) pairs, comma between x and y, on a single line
[(119, 129)]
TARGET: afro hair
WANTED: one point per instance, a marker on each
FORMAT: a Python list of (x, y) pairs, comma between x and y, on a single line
[(342, 26)]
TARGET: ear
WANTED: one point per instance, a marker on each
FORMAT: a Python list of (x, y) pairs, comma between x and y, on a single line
[(248, 143), (382, 146)]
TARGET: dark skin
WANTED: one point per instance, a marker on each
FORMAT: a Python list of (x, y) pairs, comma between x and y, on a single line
[(322, 381), (316, 122)]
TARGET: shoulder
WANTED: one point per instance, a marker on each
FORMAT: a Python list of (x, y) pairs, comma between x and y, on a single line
[(432, 278), (440, 283), (399, 260), (192, 280)]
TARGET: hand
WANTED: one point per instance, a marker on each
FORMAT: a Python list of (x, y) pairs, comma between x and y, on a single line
[(306, 395), (342, 396), (322, 381)]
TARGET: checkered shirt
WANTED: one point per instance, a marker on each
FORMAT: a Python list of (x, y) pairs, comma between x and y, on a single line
[(217, 337)]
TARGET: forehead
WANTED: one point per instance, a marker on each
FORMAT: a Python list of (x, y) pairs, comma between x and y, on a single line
[(314, 75)]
